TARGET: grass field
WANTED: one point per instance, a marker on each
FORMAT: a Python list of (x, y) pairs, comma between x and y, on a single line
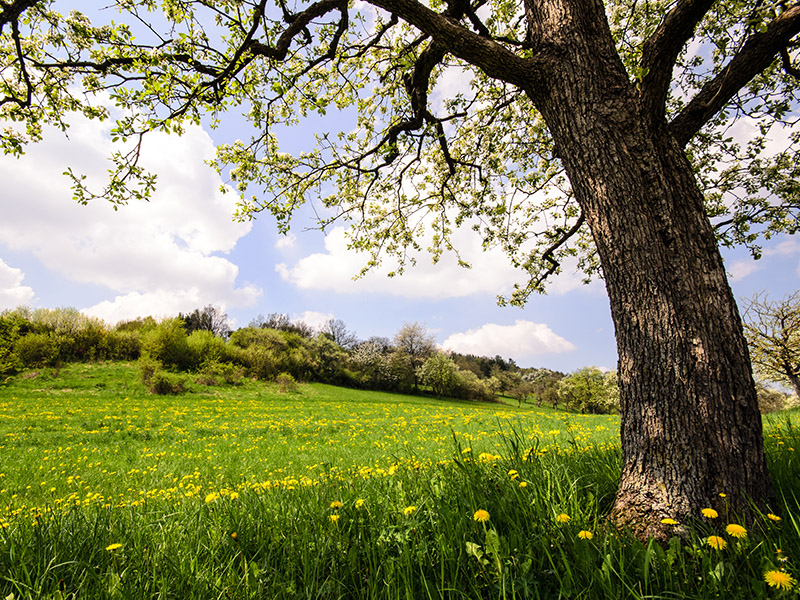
[(109, 492)]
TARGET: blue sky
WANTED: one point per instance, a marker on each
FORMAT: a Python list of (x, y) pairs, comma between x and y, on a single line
[(182, 251)]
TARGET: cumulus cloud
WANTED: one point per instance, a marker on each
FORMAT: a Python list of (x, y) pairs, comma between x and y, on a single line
[(314, 319), (156, 256), (334, 268), (12, 292), (741, 269), (523, 338)]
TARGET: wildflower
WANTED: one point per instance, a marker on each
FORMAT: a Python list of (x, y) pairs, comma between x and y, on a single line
[(772, 517), (523, 484), (481, 515), (563, 518), (336, 504), (211, 497), (736, 531), (779, 579), (333, 518), (585, 535), (233, 495), (234, 536), (359, 503), (112, 547), (409, 510), (723, 495), (669, 521), (716, 542), (513, 474), (709, 513)]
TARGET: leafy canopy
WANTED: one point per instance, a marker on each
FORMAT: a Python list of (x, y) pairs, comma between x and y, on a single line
[(412, 141)]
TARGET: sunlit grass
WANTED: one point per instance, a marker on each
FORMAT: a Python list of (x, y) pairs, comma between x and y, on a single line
[(106, 491)]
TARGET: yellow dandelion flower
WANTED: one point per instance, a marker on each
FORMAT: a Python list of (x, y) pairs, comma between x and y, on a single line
[(513, 474), (723, 495), (709, 513), (772, 517), (409, 510), (481, 515), (234, 536), (233, 495), (736, 531), (112, 547), (779, 579), (585, 535), (212, 497), (669, 521), (336, 504), (716, 542), (333, 518), (523, 484), (359, 503), (563, 518)]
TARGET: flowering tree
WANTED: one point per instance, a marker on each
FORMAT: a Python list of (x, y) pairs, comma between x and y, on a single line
[(582, 129)]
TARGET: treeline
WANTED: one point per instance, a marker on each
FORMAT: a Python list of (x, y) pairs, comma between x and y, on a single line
[(201, 347)]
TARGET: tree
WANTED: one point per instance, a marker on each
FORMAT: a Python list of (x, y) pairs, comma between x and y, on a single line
[(209, 318), (336, 330), (597, 132), (773, 333), (589, 390), (414, 340), (440, 373)]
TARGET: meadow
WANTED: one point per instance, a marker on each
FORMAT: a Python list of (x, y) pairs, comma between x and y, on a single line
[(107, 491)]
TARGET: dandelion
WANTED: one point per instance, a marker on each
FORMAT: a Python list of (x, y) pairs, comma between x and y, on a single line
[(669, 521), (709, 513), (234, 536), (359, 503), (523, 484), (233, 495), (716, 542), (585, 535), (563, 518), (723, 495), (513, 474), (211, 497), (772, 517), (409, 510), (481, 515), (779, 579), (333, 518), (736, 531), (112, 547), (336, 504)]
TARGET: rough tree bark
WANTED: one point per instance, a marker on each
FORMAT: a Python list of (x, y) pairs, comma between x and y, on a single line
[(690, 424)]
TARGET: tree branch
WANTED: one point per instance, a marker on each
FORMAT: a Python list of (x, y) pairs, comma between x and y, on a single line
[(661, 50), (11, 12), (492, 58), (756, 55), (786, 61)]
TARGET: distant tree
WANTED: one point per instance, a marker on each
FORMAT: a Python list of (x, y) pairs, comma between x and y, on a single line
[(168, 344), (772, 329), (440, 373), (521, 391), (336, 330), (282, 322), (209, 318), (544, 384), (589, 390), (769, 399), (414, 340)]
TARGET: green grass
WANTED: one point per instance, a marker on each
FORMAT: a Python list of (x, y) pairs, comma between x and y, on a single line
[(89, 459)]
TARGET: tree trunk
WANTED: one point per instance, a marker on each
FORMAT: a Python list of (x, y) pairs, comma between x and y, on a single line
[(690, 424)]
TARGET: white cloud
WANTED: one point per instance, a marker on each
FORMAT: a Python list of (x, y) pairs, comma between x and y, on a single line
[(491, 272), (286, 241), (314, 319), (158, 256), (523, 338), (741, 269), (12, 292)]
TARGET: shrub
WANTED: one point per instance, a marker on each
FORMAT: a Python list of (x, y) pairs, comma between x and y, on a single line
[(216, 373), (37, 350), (286, 383), (207, 347), (163, 382), (123, 344), (167, 343)]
